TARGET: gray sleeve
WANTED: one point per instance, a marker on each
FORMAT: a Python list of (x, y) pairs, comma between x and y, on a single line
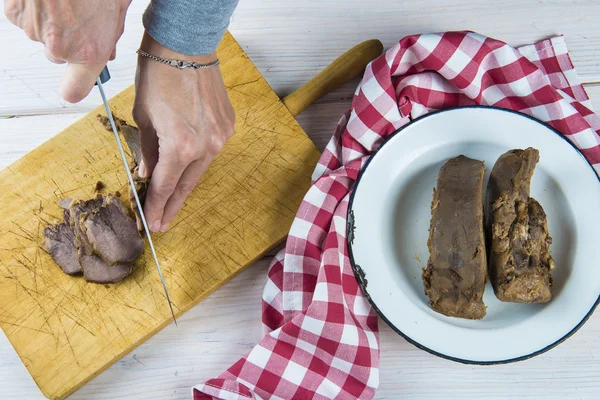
[(191, 27)]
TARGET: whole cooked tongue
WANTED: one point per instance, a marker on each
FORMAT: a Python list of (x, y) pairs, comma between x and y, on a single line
[(60, 244), (97, 271), (112, 233)]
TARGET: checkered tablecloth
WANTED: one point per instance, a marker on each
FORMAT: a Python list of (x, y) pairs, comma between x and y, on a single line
[(321, 336)]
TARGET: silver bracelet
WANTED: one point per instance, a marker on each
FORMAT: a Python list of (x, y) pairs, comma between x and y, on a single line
[(177, 63)]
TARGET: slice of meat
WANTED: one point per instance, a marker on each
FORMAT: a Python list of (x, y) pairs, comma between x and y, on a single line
[(77, 210), (455, 276), (60, 244), (132, 137), (112, 233), (97, 271), (141, 187), (97, 237), (520, 262), (131, 134)]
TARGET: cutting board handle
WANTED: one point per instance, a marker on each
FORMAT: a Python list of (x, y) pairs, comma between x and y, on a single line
[(346, 67)]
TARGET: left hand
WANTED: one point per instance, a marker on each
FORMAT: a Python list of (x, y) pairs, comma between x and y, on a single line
[(185, 118)]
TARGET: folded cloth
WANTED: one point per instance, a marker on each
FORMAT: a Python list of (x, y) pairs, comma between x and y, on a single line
[(321, 336)]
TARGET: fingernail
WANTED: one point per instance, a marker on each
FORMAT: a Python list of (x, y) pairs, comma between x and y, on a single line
[(155, 227), (164, 227), (143, 171)]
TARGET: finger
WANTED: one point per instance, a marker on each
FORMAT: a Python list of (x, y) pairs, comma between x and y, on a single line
[(113, 55), (188, 181), (51, 58), (165, 177), (78, 80), (11, 10), (149, 146)]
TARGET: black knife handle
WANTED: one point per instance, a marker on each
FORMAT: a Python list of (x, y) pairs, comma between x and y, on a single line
[(104, 75)]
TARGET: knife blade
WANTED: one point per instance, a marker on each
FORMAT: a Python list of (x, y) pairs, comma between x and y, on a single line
[(104, 76)]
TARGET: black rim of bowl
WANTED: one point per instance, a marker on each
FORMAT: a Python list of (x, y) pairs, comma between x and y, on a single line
[(360, 275)]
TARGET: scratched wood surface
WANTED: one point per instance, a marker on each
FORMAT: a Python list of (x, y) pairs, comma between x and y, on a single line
[(65, 330), (289, 42)]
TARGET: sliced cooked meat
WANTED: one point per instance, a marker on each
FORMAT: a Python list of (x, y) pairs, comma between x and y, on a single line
[(520, 262), (106, 122), (454, 279), (77, 210), (98, 236), (112, 233), (141, 187), (97, 271), (131, 134), (132, 138), (60, 244)]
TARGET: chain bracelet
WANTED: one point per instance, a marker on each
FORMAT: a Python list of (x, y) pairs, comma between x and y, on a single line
[(177, 63)]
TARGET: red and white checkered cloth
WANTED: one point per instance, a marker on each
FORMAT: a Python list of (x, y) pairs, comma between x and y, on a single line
[(321, 337)]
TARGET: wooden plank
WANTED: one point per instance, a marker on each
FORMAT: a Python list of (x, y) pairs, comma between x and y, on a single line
[(224, 326), (208, 339), (593, 92), (65, 330), (23, 134), (291, 41)]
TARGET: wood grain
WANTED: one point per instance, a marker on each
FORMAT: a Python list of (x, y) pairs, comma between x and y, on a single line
[(65, 330), (291, 41), (225, 325), (349, 65)]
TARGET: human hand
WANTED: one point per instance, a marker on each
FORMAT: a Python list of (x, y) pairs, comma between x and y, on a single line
[(82, 33), (184, 118)]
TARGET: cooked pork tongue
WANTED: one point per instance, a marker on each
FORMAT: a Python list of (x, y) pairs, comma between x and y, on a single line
[(97, 271), (141, 187), (93, 231), (455, 277), (132, 138), (112, 233), (79, 209), (520, 262), (106, 122), (130, 133), (60, 244)]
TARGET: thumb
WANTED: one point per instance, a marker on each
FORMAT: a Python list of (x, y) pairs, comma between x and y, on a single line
[(78, 80)]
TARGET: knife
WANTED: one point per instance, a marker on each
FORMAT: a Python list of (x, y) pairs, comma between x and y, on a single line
[(104, 77)]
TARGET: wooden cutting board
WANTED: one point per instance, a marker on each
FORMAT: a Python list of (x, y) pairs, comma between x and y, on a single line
[(65, 330)]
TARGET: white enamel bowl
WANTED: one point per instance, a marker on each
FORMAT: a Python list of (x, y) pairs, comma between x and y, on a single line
[(390, 211)]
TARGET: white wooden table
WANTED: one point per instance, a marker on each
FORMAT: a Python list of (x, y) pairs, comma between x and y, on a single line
[(290, 41)]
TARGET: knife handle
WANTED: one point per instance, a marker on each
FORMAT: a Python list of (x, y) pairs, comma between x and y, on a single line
[(104, 75)]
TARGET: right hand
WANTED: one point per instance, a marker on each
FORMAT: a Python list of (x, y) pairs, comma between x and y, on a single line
[(82, 33)]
